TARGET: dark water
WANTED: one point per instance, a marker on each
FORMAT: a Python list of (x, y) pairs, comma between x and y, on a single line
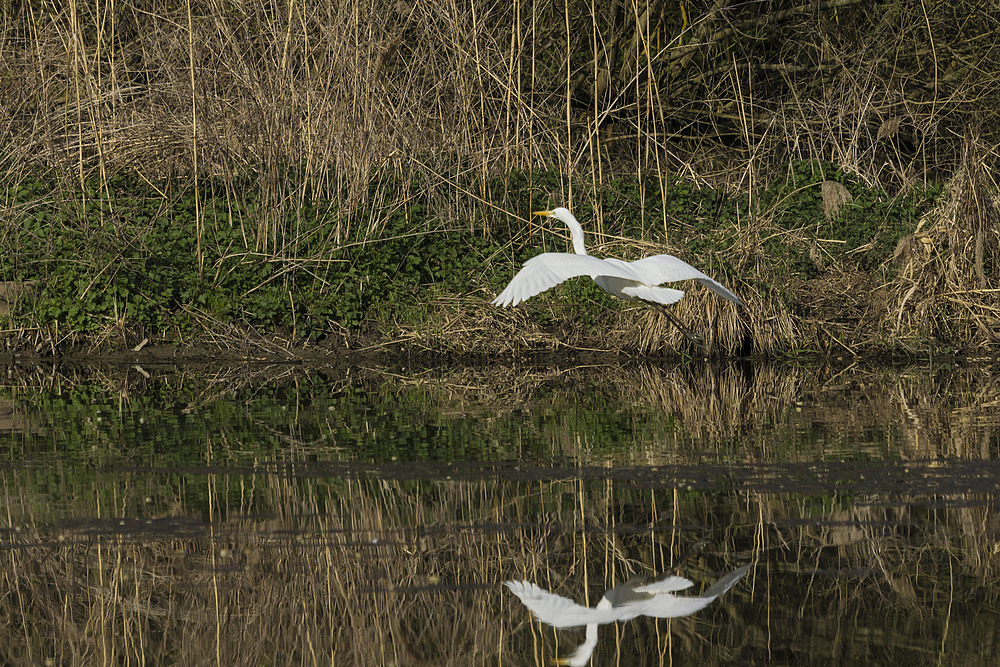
[(289, 515)]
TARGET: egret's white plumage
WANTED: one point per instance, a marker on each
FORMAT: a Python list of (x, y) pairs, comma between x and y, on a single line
[(630, 600), (640, 279)]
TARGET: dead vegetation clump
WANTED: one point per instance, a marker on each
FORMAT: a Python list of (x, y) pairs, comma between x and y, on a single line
[(947, 286), (835, 310)]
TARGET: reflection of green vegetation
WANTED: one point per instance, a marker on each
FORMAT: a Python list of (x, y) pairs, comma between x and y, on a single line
[(133, 507), (166, 425)]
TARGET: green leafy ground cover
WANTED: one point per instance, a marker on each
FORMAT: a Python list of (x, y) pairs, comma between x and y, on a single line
[(123, 260)]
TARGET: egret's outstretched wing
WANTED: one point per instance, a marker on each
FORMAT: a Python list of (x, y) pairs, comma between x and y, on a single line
[(551, 268), (653, 294), (557, 611), (659, 269)]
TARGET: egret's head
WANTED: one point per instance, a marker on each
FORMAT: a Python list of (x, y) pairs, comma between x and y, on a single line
[(559, 213), (575, 230)]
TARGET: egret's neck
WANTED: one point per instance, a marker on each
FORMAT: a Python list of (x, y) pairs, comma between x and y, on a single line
[(581, 656), (576, 231)]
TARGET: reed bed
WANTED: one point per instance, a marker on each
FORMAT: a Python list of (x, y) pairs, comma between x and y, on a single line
[(354, 92), (354, 112)]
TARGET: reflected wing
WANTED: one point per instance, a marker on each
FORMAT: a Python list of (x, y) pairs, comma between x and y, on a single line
[(671, 606), (727, 582), (660, 269), (551, 268), (557, 611), (665, 585)]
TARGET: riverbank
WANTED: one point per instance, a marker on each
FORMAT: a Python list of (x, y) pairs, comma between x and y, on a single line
[(825, 265), (253, 179)]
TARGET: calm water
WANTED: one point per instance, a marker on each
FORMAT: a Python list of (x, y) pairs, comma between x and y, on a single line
[(290, 515)]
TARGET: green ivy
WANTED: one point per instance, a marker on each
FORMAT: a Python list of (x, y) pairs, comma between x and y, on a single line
[(124, 252)]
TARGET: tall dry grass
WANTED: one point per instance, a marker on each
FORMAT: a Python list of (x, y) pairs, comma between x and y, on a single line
[(343, 104), (947, 270), (341, 95)]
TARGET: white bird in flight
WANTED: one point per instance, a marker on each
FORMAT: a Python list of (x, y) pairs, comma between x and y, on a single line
[(640, 279), (626, 601)]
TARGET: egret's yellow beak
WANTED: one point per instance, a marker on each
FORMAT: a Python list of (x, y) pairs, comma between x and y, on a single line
[(541, 213)]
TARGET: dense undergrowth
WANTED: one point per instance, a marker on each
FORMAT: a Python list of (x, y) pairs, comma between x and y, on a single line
[(127, 260), (270, 175), (140, 262)]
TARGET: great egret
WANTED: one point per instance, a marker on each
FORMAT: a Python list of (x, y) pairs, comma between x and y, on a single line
[(626, 601), (640, 279)]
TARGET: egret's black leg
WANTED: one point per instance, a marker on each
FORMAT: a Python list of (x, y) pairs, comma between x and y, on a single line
[(695, 339)]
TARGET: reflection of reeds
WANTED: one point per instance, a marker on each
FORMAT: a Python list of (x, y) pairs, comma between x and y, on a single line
[(718, 402), (959, 418), (722, 398), (375, 571), (817, 411)]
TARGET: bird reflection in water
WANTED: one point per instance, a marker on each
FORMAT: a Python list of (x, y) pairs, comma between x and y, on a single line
[(636, 597)]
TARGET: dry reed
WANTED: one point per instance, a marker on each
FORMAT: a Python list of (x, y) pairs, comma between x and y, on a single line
[(338, 104)]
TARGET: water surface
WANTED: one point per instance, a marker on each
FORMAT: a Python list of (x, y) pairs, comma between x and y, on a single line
[(293, 515)]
